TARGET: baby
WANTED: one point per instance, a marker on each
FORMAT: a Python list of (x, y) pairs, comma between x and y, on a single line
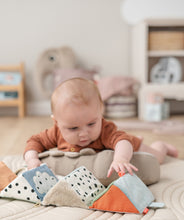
[(77, 110)]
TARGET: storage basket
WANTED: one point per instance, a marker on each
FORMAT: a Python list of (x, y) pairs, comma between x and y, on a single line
[(166, 40)]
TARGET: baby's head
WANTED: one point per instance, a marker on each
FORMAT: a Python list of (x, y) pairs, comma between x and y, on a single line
[(77, 91), (77, 109)]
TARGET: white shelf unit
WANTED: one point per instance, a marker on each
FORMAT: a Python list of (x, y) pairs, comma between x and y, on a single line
[(144, 59)]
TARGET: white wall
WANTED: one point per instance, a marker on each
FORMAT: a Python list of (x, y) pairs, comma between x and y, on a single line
[(93, 28), (137, 11)]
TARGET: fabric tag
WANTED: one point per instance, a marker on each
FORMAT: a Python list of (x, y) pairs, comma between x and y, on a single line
[(156, 205), (41, 179)]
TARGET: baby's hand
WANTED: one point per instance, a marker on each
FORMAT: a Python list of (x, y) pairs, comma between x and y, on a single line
[(33, 163), (121, 166)]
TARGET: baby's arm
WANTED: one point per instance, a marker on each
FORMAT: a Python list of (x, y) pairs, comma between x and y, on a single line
[(122, 155), (43, 141), (32, 160)]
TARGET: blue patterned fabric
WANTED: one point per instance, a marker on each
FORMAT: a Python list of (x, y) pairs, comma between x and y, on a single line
[(41, 180)]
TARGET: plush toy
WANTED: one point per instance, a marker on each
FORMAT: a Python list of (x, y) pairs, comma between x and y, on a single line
[(31, 185), (127, 194), (56, 65), (81, 188), (49, 60), (167, 70), (62, 163)]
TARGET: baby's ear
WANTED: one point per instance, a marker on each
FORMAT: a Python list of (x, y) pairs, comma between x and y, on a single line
[(53, 118), (102, 109)]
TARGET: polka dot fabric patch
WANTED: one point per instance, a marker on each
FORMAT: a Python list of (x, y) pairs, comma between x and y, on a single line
[(20, 189), (85, 184)]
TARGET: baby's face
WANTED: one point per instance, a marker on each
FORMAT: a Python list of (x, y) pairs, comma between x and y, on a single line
[(80, 124)]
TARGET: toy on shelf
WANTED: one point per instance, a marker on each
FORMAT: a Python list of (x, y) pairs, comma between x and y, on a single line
[(167, 70), (156, 109), (12, 87)]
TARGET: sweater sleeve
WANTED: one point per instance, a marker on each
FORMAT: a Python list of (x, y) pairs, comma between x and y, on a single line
[(110, 136), (43, 141)]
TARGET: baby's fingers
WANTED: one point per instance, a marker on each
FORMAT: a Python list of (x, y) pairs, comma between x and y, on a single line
[(133, 167), (113, 167), (129, 167), (122, 168), (110, 171)]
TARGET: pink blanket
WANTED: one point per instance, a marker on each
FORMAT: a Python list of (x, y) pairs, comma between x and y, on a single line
[(117, 85)]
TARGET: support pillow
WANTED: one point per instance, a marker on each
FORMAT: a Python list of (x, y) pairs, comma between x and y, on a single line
[(62, 163)]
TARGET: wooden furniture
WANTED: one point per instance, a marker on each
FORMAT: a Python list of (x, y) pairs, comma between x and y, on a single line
[(144, 57), (20, 100)]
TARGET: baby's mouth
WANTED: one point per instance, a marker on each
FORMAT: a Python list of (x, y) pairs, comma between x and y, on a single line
[(84, 142)]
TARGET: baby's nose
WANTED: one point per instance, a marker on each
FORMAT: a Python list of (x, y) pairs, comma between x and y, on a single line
[(83, 132)]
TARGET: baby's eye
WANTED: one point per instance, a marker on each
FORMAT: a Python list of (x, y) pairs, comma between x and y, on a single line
[(73, 129), (91, 124)]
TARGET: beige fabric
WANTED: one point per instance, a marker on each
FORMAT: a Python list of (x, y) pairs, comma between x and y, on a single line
[(66, 196), (170, 190), (63, 163)]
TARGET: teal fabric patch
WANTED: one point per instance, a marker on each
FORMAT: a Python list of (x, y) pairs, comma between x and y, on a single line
[(137, 192)]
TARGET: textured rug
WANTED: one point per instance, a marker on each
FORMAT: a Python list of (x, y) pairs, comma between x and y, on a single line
[(170, 127)]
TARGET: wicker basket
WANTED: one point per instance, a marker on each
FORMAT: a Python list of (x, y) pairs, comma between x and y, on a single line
[(166, 40)]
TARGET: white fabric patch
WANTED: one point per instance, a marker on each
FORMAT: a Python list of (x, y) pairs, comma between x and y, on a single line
[(85, 184), (20, 189)]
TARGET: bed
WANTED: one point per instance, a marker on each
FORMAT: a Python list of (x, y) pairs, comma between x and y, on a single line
[(170, 190)]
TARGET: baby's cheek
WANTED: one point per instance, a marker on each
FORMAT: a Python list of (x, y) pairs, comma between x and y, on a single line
[(70, 138), (96, 133)]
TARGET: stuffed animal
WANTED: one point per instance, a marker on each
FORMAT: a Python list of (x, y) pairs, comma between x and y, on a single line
[(49, 60), (56, 65), (81, 188), (167, 70)]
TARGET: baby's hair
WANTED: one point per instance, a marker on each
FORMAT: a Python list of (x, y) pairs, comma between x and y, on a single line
[(76, 90)]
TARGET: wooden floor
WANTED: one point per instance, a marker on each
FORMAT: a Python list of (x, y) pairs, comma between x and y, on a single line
[(14, 133)]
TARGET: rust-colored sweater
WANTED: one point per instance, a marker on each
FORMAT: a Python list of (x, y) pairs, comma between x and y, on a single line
[(51, 138)]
